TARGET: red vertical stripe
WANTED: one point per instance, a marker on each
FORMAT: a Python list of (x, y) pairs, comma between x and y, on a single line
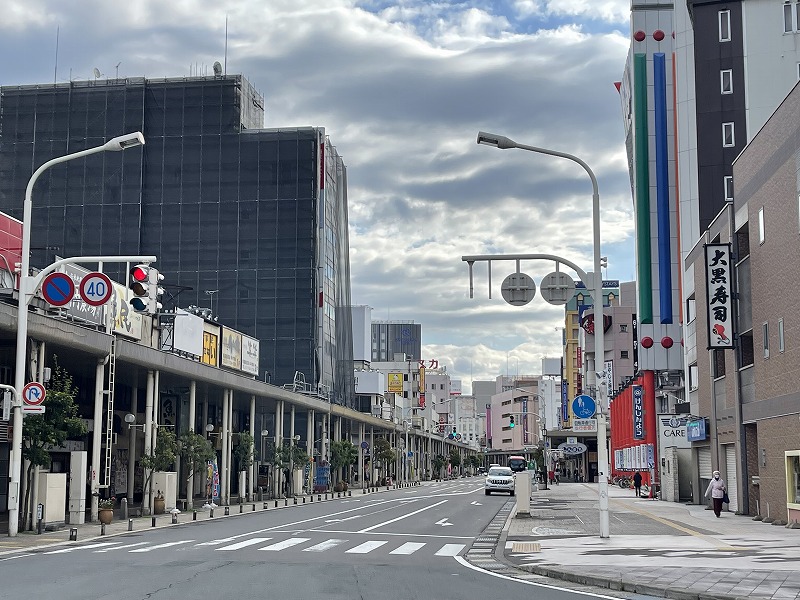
[(322, 165), (321, 299)]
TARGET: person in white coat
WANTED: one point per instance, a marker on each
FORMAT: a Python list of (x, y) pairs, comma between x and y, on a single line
[(716, 489)]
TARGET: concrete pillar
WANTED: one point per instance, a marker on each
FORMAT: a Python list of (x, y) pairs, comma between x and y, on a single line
[(192, 420), (148, 438), (372, 463), (224, 443), (361, 455), (252, 474), (230, 444), (132, 446)]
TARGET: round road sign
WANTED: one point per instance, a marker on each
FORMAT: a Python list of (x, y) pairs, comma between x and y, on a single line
[(33, 393), (584, 406), (58, 289), (364, 445), (96, 289), (518, 289), (557, 288)]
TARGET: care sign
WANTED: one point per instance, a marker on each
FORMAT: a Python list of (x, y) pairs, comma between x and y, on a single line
[(672, 431), (638, 412)]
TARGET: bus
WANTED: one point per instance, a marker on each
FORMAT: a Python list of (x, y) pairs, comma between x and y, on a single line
[(517, 464)]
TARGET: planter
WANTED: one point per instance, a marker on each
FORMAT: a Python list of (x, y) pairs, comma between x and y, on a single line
[(106, 515), (158, 506)]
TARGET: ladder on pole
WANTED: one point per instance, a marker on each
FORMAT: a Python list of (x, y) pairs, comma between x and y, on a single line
[(109, 433)]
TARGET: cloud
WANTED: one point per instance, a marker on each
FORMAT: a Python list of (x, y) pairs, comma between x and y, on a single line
[(402, 89)]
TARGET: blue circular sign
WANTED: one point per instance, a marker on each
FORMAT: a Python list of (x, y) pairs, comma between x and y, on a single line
[(584, 406), (364, 445), (58, 289)]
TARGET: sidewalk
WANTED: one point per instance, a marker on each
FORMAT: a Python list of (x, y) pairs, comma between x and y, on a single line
[(656, 548), (28, 541)]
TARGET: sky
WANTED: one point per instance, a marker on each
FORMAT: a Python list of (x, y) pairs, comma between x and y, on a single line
[(402, 89)]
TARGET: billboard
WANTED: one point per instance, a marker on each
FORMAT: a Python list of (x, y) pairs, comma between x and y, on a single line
[(231, 355), (719, 296), (395, 383), (250, 354), (188, 333), (210, 345), (127, 322)]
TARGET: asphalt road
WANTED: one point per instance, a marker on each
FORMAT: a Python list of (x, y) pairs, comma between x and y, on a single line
[(404, 544)]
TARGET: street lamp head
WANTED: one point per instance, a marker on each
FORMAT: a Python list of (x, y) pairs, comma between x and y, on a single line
[(498, 141), (130, 418), (123, 142), (210, 427)]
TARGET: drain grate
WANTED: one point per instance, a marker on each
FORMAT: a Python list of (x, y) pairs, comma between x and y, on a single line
[(526, 547)]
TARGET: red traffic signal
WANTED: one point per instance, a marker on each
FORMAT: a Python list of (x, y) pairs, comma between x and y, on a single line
[(139, 280)]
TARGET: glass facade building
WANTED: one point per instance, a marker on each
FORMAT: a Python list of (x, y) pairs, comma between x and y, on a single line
[(259, 215), (396, 337)]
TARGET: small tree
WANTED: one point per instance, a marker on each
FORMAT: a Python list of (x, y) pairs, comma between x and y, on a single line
[(343, 454), (384, 454), (455, 459), (162, 456), (474, 461), (438, 462), (53, 428), (196, 451), (244, 452)]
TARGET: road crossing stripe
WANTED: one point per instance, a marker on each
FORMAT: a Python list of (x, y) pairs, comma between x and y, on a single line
[(65, 550), (450, 550), (285, 544), (244, 544), (321, 547), (367, 547), (159, 546), (408, 548), (215, 542), (121, 547)]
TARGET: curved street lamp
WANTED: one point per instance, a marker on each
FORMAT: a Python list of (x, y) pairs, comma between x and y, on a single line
[(595, 284)]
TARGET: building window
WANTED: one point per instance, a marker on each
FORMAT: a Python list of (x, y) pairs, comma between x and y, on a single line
[(746, 357), (623, 328), (728, 138), (793, 476), (623, 354), (788, 17), (724, 26), (664, 404), (726, 81), (781, 343), (765, 332), (694, 375), (691, 310), (718, 356), (798, 212), (798, 71), (761, 231), (728, 188)]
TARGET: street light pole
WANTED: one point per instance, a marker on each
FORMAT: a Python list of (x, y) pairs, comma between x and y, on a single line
[(505, 143), (26, 292)]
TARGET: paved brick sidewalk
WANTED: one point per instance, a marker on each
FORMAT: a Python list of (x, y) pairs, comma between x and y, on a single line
[(657, 548)]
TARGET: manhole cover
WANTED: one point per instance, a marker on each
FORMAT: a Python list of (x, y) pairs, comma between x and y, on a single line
[(526, 547)]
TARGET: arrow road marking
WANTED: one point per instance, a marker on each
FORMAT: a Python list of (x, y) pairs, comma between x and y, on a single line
[(476, 503), (442, 522), (411, 514)]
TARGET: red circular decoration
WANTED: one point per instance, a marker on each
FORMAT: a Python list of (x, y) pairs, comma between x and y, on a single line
[(658, 35), (647, 342), (639, 36), (681, 343), (667, 341)]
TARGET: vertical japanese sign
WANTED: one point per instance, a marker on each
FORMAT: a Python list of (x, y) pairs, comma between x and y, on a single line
[(525, 420), (638, 412), (422, 387), (718, 296)]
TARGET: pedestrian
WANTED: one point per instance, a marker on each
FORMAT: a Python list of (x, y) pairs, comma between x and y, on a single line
[(717, 490), (637, 483)]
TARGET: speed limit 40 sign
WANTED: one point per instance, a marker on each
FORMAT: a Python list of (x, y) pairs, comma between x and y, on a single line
[(96, 289)]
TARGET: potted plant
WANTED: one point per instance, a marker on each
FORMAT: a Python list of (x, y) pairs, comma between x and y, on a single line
[(106, 509), (158, 503)]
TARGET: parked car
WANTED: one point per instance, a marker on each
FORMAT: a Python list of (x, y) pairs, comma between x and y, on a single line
[(481, 471), (499, 479)]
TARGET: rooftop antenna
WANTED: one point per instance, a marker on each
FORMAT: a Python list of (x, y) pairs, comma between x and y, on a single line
[(97, 74), (117, 68), (217, 69), (225, 68), (55, 71)]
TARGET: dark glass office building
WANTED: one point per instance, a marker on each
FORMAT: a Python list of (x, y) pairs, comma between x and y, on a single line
[(260, 215)]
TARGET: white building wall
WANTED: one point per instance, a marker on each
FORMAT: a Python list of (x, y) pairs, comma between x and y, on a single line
[(362, 332)]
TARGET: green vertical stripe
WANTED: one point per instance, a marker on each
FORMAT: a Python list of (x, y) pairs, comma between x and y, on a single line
[(642, 159)]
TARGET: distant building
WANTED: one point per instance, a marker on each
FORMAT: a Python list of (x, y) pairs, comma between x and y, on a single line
[(396, 337)]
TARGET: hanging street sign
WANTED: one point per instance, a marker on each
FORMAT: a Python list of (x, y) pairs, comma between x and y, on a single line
[(584, 406), (33, 393), (96, 289), (58, 289), (36, 410)]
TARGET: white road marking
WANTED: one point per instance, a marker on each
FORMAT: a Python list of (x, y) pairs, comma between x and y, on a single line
[(366, 547), (450, 550), (476, 503), (15, 557), (443, 522), (408, 548), (216, 542), (71, 549), (160, 546), (244, 544), (464, 563), (326, 545), (401, 517), (121, 547), (284, 544)]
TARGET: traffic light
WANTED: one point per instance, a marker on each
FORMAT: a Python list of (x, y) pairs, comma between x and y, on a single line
[(454, 428), (139, 285), (154, 290), (511, 421)]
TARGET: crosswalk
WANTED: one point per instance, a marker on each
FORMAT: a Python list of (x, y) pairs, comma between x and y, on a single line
[(392, 547)]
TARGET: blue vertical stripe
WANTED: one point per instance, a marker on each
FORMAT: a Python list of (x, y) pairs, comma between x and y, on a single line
[(662, 187)]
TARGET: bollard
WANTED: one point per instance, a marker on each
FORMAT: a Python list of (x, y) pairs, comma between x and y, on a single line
[(130, 524), (254, 508), (276, 504), (312, 498), (286, 502), (295, 500), (338, 494), (240, 509), (102, 528), (73, 534), (304, 499), (211, 514), (124, 503), (154, 522), (194, 515), (40, 526), (227, 510), (265, 505), (319, 498), (349, 493), (174, 518)]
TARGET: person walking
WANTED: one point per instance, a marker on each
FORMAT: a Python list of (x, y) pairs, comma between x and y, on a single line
[(637, 483), (717, 490)]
